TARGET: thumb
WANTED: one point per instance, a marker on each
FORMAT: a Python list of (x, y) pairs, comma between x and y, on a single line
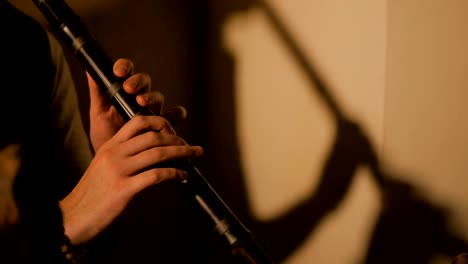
[(98, 100)]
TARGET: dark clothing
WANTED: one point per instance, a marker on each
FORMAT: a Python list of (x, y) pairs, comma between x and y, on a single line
[(40, 113)]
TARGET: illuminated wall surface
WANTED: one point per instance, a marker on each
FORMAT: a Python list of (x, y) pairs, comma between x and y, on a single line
[(398, 70), (346, 41)]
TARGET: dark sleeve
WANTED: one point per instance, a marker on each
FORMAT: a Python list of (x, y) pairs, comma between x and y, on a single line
[(27, 74), (73, 142)]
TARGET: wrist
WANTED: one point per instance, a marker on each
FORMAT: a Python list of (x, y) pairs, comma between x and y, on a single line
[(74, 228)]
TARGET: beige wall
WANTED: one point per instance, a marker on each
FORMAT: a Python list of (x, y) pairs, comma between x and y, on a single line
[(426, 134), (284, 126), (397, 67)]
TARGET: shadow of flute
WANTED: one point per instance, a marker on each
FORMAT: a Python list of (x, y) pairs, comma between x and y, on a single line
[(314, 78)]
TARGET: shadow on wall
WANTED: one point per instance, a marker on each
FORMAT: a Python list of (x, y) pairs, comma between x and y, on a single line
[(409, 228)]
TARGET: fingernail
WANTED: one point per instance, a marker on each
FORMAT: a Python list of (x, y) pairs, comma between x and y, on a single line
[(132, 85), (121, 70)]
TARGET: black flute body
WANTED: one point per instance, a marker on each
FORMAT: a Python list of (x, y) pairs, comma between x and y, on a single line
[(73, 34)]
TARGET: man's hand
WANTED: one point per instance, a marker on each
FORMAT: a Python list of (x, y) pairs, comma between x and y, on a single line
[(105, 121), (127, 155), (122, 167)]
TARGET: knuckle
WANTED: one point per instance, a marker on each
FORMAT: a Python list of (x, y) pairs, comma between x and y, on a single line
[(176, 140), (140, 120), (155, 176), (189, 150), (161, 120), (158, 154), (152, 136)]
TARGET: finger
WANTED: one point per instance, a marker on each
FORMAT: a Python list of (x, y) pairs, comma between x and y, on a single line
[(175, 115), (160, 155), (138, 83), (140, 124), (154, 101), (98, 100), (154, 176), (149, 140), (123, 67)]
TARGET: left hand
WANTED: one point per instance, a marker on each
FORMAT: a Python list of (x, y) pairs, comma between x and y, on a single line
[(122, 167), (105, 121)]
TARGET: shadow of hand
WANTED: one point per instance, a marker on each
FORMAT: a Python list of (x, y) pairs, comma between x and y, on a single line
[(350, 149)]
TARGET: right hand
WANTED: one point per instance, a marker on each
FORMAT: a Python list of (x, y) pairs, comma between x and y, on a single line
[(105, 121), (121, 168)]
